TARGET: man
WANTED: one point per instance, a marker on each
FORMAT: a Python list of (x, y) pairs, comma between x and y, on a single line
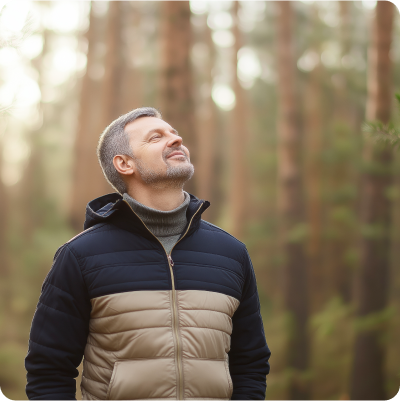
[(161, 303)]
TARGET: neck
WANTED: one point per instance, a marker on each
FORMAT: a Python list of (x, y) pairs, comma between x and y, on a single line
[(163, 199)]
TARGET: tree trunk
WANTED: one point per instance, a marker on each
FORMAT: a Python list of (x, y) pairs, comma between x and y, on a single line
[(342, 234), (373, 276), (291, 207), (6, 271), (111, 107), (313, 149), (98, 108), (33, 203), (4, 252), (176, 98), (3, 223), (131, 82), (206, 122), (239, 135)]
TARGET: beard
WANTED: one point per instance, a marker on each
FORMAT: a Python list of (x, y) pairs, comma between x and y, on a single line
[(175, 177)]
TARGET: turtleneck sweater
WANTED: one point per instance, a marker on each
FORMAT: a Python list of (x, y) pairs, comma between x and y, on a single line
[(166, 226)]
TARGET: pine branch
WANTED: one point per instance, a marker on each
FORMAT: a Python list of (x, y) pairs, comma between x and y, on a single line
[(397, 95), (386, 134)]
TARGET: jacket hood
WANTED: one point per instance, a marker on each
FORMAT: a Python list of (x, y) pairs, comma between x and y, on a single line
[(101, 209)]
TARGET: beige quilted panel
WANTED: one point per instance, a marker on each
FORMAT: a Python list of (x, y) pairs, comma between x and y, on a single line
[(207, 300), (206, 379), (131, 351), (204, 343), (109, 305), (131, 325), (141, 379)]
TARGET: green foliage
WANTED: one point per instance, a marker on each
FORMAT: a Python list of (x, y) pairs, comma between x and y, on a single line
[(326, 323), (298, 233), (332, 337), (12, 382), (375, 321), (274, 324), (384, 134), (374, 231)]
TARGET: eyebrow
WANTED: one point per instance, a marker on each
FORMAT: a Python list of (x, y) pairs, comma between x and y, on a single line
[(154, 130)]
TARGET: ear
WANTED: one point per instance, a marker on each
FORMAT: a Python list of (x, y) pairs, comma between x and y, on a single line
[(124, 164)]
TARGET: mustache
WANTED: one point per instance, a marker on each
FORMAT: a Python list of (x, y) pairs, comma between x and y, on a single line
[(171, 150)]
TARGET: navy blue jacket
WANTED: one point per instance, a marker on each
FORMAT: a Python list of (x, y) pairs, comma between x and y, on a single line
[(117, 254)]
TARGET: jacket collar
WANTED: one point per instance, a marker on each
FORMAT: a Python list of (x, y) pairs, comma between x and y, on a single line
[(113, 209)]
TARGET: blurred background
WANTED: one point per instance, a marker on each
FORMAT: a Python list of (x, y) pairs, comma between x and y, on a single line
[(290, 114)]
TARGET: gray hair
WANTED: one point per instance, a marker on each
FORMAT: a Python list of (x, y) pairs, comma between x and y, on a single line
[(115, 141)]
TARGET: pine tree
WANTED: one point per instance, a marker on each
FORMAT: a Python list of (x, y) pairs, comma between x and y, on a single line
[(176, 97), (291, 207), (367, 381)]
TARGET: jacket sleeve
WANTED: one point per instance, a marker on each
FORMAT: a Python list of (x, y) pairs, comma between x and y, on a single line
[(249, 354), (59, 331)]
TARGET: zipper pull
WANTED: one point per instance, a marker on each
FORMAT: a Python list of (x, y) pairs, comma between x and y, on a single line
[(171, 262)]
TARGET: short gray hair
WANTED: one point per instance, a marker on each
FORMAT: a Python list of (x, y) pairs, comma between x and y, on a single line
[(115, 141)]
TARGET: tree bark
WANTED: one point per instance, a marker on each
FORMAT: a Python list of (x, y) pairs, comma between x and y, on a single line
[(131, 82), (239, 134), (2, 202), (98, 108), (206, 117), (33, 202), (340, 272), (111, 107), (291, 207), (176, 97), (3, 223), (313, 149), (373, 276)]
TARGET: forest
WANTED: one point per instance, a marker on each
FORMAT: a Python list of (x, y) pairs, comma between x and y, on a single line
[(291, 112)]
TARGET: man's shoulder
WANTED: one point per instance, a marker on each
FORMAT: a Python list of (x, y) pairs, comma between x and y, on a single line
[(86, 234), (222, 234), (206, 225), (93, 237)]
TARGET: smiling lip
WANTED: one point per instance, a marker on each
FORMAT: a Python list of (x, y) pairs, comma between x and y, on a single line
[(176, 154)]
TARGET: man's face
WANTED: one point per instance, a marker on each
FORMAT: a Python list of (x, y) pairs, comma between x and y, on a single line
[(160, 157)]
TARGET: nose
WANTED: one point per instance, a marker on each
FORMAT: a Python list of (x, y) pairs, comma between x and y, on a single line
[(175, 141)]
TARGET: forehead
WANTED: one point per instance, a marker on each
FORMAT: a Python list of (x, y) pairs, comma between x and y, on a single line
[(141, 126)]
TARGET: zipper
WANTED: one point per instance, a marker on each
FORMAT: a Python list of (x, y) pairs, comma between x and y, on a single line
[(175, 326), (175, 323), (178, 348)]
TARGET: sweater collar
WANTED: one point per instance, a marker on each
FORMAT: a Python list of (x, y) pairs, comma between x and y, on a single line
[(161, 223)]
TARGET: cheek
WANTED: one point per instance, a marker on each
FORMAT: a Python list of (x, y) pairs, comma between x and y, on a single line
[(154, 155)]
